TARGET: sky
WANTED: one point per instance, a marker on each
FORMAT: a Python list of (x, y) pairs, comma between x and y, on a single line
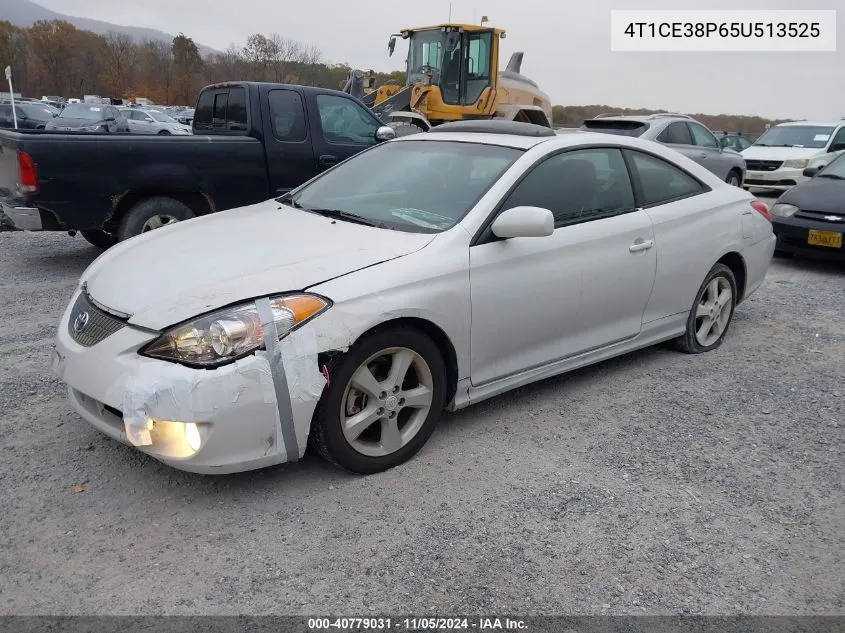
[(566, 45)]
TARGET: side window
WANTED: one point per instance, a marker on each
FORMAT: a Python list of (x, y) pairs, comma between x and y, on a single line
[(477, 66), (218, 117), (744, 143), (236, 110), (577, 186), (202, 114), (676, 133), (838, 138), (344, 121), (660, 181), (287, 115), (702, 137)]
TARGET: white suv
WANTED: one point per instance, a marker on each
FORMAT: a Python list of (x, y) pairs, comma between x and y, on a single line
[(778, 158)]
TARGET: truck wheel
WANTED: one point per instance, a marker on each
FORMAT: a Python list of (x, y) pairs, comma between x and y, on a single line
[(100, 239), (151, 214)]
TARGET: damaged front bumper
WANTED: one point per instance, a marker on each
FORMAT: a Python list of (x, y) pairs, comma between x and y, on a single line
[(210, 421)]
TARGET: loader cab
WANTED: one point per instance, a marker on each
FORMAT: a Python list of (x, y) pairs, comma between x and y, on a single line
[(458, 59)]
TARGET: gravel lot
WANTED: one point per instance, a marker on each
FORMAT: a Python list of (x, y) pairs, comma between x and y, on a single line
[(655, 483)]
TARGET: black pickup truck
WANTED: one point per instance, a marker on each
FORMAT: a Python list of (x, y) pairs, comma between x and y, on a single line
[(250, 142)]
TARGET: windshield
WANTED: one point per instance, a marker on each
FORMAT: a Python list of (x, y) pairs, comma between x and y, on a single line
[(83, 111), (38, 112), (161, 118), (425, 54), (414, 186), (814, 136), (836, 168)]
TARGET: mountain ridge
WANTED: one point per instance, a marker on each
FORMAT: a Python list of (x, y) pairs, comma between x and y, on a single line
[(23, 13)]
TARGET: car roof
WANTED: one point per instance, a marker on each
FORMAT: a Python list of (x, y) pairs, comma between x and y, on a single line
[(573, 139), (811, 123)]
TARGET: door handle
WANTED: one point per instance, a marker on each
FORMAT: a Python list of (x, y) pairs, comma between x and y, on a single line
[(641, 245), (327, 160)]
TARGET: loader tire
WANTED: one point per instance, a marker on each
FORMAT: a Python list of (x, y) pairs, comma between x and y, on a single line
[(406, 129)]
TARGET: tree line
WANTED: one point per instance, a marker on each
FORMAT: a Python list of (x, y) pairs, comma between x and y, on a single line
[(55, 58), (52, 57)]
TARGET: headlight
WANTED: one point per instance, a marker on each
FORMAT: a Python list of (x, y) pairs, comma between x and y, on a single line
[(796, 164), (784, 210), (229, 334)]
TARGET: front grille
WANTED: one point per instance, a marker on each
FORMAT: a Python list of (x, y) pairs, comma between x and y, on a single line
[(767, 183), (763, 165), (821, 216), (88, 325)]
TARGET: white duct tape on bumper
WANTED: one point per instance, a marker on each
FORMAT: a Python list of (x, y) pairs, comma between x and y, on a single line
[(285, 376)]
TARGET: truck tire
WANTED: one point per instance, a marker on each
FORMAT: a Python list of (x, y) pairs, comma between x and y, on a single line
[(406, 129), (151, 214), (100, 239)]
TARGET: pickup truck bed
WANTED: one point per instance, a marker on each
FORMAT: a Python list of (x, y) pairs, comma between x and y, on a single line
[(251, 141)]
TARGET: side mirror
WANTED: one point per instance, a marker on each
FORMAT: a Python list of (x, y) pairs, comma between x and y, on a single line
[(391, 46), (810, 172), (524, 222), (385, 133), (837, 147)]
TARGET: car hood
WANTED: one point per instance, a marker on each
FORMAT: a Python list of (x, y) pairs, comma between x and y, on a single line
[(825, 195), (172, 274), (780, 153)]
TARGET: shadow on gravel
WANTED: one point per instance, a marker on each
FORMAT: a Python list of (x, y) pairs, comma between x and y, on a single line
[(812, 265), (76, 262)]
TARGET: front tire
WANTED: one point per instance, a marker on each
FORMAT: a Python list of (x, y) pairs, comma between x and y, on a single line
[(734, 178), (383, 402), (711, 313), (100, 239), (153, 213)]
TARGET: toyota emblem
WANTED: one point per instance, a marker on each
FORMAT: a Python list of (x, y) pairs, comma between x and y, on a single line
[(80, 322)]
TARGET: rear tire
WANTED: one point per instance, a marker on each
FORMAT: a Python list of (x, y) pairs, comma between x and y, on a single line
[(711, 313), (151, 214), (393, 425), (99, 238)]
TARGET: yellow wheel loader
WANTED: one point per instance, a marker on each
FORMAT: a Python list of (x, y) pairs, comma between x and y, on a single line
[(453, 74)]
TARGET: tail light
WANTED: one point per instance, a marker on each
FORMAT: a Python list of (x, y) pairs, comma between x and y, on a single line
[(27, 174), (762, 208)]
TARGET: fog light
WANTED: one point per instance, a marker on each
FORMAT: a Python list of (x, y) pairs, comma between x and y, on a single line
[(192, 436), (167, 438)]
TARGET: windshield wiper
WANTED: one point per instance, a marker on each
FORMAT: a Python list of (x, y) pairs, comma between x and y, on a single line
[(834, 176), (343, 215)]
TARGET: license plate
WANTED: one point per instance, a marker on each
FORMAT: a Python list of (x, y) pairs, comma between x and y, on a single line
[(831, 239)]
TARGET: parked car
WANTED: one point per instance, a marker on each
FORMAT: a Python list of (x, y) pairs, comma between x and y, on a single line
[(251, 142), (778, 158), (809, 219), (90, 117), (734, 140), (145, 121), (429, 272), (30, 116), (185, 116), (680, 132)]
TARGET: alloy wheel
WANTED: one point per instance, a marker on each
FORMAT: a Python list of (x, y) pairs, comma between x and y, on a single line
[(713, 312), (387, 401)]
